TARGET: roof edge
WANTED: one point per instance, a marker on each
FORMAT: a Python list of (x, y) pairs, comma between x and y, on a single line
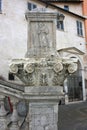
[(57, 7)]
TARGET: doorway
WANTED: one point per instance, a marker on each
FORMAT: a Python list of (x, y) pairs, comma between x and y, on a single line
[(74, 84)]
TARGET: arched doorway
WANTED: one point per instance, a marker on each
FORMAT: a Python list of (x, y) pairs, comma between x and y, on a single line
[(75, 83)]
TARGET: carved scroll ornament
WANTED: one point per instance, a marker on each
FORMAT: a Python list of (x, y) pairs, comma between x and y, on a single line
[(29, 68), (72, 68), (13, 68)]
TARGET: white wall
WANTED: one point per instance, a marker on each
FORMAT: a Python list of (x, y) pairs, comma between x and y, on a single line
[(73, 7), (13, 33), (69, 37)]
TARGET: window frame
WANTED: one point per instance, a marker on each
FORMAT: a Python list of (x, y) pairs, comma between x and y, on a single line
[(60, 25), (66, 7), (79, 26)]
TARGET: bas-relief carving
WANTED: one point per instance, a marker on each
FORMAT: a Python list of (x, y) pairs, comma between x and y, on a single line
[(43, 35), (41, 39)]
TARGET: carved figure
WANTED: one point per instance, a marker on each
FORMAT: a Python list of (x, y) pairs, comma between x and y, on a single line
[(43, 32)]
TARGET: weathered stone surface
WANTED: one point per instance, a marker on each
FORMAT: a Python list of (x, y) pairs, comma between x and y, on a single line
[(46, 90), (3, 121), (43, 116)]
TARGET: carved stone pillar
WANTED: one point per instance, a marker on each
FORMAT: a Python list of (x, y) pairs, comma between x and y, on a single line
[(3, 122), (14, 117)]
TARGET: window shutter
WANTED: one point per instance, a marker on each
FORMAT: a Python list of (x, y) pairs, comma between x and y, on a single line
[(60, 25), (0, 4), (34, 6), (79, 28), (29, 6)]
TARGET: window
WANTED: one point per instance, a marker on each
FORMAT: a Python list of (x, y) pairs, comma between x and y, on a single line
[(10, 76), (31, 6), (60, 25), (66, 7), (0, 5), (79, 28)]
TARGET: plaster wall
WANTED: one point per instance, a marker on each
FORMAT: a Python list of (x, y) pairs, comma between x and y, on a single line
[(13, 33), (69, 37), (73, 7)]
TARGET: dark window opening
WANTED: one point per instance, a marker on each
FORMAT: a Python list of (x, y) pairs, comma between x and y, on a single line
[(31, 6), (60, 25), (66, 7), (11, 76)]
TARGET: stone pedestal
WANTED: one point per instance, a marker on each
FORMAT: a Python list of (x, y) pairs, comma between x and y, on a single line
[(43, 107), (43, 115)]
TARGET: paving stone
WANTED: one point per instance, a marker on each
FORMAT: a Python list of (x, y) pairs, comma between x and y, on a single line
[(73, 116)]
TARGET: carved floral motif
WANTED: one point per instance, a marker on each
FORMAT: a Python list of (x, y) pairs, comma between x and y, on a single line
[(43, 79), (58, 67), (59, 78)]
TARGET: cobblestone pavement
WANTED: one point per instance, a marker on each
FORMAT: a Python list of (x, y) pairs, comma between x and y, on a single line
[(73, 116)]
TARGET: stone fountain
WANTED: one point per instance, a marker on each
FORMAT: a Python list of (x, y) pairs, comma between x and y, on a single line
[(43, 71)]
